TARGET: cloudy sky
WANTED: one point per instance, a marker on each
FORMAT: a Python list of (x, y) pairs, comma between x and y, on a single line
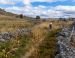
[(43, 8)]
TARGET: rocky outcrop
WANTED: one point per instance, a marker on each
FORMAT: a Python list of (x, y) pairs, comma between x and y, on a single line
[(9, 35), (65, 48)]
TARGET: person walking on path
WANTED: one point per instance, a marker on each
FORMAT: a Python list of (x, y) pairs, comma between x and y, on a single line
[(50, 26)]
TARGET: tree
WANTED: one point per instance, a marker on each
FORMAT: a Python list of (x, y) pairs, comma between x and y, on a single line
[(37, 17), (21, 16)]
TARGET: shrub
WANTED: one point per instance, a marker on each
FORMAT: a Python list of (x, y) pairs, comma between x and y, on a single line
[(37, 17)]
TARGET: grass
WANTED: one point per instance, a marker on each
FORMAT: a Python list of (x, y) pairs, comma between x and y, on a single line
[(14, 48), (48, 47), (11, 24), (17, 47)]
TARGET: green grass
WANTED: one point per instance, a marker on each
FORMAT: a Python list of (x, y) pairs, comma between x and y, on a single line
[(7, 49), (48, 47)]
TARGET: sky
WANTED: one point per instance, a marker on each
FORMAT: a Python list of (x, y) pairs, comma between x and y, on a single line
[(42, 8)]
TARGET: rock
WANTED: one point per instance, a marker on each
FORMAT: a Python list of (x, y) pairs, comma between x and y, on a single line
[(2, 40), (64, 46), (9, 35)]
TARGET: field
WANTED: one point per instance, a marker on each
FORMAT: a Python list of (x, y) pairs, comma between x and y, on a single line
[(28, 38), (10, 24)]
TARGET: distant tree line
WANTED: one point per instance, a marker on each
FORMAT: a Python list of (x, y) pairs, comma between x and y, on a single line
[(20, 16)]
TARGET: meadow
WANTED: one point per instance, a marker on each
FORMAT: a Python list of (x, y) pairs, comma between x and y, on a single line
[(35, 40)]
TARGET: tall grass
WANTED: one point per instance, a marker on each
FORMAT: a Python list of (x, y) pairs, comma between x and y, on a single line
[(48, 47), (14, 48)]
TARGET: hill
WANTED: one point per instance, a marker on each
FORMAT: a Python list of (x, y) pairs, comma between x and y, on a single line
[(26, 37), (3, 12)]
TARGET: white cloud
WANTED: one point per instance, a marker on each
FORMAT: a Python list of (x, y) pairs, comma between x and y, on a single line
[(65, 8), (28, 2), (9, 1), (43, 11), (42, 0), (6, 2)]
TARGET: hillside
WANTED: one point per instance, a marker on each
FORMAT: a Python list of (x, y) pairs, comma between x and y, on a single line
[(26, 38), (3, 12)]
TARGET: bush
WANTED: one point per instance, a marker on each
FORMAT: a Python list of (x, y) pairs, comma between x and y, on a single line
[(37, 17), (21, 16)]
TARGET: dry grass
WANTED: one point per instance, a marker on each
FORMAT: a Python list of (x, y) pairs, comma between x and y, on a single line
[(47, 47), (11, 24), (55, 24), (37, 35)]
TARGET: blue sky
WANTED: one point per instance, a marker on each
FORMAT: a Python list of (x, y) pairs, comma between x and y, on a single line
[(43, 8)]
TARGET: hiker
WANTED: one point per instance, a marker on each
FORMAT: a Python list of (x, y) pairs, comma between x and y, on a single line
[(50, 26)]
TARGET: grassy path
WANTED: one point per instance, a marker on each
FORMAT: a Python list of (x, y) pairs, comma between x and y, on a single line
[(43, 35), (38, 37), (47, 48)]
